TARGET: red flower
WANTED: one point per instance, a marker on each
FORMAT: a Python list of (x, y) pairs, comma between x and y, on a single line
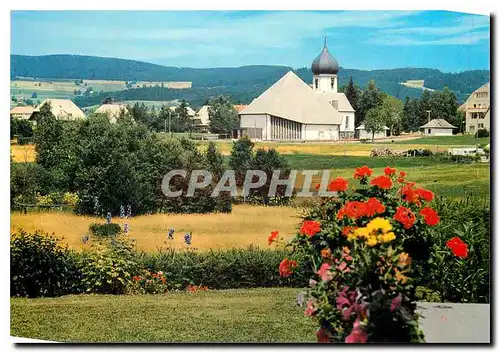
[(286, 267), (389, 171), (405, 216), (274, 235), (409, 194), (430, 216), (458, 247), (346, 230), (383, 182), (339, 184), (362, 172), (374, 206), (310, 228), (322, 335), (136, 278), (427, 195)]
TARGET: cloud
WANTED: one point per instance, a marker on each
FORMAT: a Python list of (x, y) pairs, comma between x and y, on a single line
[(466, 30)]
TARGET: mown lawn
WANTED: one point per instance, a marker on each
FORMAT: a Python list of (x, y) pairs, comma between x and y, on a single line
[(253, 315), (448, 140)]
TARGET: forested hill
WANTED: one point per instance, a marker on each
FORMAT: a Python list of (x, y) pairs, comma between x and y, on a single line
[(245, 82)]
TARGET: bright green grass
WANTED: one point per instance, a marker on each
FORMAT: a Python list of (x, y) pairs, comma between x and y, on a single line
[(462, 140), (253, 315)]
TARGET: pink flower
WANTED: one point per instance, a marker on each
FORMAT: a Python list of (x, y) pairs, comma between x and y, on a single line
[(358, 335), (343, 267), (312, 282), (396, 302), (325, 272), (310, 310)]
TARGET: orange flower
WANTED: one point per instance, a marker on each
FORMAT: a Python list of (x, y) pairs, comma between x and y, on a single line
[(362, 172), (310, 228), (389, 171), (286, 267), (402, 176), (338, 184), (347, 230), (400, 277), (357, 209), (431, 217), (274, 235), (404, 260), (326, 253), (405, 216), (163, 280), (409, 194), (383, 182)]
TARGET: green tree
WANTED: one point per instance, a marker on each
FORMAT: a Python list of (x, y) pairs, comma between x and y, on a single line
[(352, 94), (223, 117), (241, 158), (180, 120), (392, 112), (215, 161), (370, 98), (374, 121)]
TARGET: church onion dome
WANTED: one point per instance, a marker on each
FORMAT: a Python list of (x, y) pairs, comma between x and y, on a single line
[(325, 63)]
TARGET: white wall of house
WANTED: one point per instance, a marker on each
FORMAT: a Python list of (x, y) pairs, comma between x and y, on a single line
[(363, 134), (325, 83), (260, 121), (347, 117), (438, 132), (320, 132), (476, 119)]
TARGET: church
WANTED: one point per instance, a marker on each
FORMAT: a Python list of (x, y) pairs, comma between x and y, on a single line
[(293, 110)]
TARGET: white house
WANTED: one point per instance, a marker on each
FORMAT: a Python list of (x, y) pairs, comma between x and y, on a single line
[(113, 111), (201, 119), (477, 109), (363, 134), (22, 113), (292, 110), (62, 109), (438, 127)]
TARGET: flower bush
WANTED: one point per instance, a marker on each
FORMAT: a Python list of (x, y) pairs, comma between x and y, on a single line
[(149, 283), (364, 245)]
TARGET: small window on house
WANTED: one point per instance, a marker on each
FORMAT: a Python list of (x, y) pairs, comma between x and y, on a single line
[(480, 126), (471, 127), (346, 122), (332, 82), (474, 105), (428, 131), (316, 82)]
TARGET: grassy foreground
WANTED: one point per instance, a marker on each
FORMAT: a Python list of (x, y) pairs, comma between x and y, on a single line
[(253, 315)]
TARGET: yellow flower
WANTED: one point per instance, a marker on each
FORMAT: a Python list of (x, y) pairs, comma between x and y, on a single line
[(379, 224), (388, 237), (371, 241), (362, 233)]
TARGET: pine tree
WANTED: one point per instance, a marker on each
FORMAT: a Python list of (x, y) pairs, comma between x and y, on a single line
[(351, 93)]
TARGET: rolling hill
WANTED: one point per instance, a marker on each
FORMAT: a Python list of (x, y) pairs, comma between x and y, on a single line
[(242, 83)]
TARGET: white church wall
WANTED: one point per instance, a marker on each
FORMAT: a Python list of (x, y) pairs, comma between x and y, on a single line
[(438, 132), (325, 83), (256, 121), (320, 132), (349, 118)]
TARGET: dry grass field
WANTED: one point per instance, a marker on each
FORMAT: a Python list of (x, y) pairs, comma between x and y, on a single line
[(246, 225), (22, 153)]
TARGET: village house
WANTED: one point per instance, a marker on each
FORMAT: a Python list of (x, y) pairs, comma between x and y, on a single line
[(438, 127), (292, 110), (477, 110), (363, 134), (23, 113), (113, 111), (62, 109)]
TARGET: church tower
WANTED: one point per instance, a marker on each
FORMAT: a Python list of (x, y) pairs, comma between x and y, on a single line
[(325, 69)]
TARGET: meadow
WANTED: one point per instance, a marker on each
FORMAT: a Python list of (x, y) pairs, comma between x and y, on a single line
[(240, 228), (268, 315)]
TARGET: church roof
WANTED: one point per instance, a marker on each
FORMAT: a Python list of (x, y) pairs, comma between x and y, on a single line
[(202, 114), (325, 63), (291, 98), (343, 104)]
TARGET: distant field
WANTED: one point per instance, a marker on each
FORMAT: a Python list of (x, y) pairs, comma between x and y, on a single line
[(456, 140), (23, 153), (247, 224)]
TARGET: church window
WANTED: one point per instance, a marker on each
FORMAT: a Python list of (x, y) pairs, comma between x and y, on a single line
[(316, 82), (332, 82)]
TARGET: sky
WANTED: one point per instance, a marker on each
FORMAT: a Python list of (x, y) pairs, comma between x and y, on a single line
[(449, 41)]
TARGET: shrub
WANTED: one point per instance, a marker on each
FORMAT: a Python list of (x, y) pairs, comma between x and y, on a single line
[(452, 279), (105, 229), (221, 269), (108, 266), (39, 266), (482, 133)]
